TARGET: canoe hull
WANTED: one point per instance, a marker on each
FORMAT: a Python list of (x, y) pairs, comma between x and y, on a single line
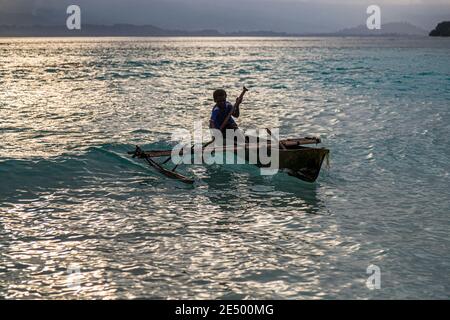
[(300, 162)]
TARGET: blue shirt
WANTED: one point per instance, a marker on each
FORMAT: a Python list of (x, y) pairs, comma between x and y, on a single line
[(218, 116)]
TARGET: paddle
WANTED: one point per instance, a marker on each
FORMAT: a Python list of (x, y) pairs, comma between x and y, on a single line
[(236, 105)]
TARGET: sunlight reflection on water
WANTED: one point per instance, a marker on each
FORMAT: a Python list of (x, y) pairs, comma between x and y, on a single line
[(70, 195)]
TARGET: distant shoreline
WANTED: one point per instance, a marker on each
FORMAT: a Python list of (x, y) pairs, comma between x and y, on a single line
[(219, 36), (125, 30)]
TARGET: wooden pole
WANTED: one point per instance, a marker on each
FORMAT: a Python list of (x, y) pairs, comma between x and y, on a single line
[(238, 102)]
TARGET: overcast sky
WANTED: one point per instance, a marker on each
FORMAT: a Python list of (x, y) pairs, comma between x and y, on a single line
[(228, 15)]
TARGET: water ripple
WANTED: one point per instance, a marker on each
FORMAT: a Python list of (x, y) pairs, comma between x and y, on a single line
[(72, 199)]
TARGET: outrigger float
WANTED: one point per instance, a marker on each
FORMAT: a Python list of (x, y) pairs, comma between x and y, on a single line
[(295, 158)]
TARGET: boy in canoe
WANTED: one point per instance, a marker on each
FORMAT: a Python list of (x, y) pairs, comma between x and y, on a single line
[(221, 111)]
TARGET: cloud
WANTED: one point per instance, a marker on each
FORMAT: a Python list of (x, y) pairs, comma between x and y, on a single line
[(229, 15)]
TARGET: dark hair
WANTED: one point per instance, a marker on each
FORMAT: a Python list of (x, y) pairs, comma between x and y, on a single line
[(219, 93)]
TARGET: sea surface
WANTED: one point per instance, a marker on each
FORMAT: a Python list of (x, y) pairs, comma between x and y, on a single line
[(81, 219)]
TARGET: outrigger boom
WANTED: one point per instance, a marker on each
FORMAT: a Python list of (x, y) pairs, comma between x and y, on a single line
[(168, 173)]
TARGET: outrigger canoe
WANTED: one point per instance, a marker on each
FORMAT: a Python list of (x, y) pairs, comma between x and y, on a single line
[(294, 158)]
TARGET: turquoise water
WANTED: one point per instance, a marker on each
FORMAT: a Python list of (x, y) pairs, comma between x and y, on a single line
[(72, 198)]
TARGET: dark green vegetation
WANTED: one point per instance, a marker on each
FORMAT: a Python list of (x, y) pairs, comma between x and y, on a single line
[(442, 30)]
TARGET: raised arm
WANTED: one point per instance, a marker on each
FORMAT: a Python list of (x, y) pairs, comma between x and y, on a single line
[(239, 100)]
